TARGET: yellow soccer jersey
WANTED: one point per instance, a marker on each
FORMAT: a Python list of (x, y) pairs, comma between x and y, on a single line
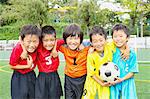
[(112, 46), (94, 61)]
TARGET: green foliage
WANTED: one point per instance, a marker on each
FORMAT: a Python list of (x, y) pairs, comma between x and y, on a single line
[(12, 12), (31, 10), (7, 16), (3, 1), (36, 12), (16, 13), (1, 7), (146, 30), (138, 11), (59, 27), (90, 14), (9, 33)]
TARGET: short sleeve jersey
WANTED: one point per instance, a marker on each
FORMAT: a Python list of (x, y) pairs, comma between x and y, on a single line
[(75, 61), (94, 61), (15, 59), (46, 63), (130, 65)]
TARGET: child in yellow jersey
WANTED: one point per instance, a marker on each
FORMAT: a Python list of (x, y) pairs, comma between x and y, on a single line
[(101, 55)]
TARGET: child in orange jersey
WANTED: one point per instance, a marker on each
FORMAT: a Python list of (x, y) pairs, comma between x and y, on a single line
[(75, 69)]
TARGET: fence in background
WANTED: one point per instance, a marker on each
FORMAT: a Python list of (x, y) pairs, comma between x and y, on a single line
[(142, 46), (134, 42)]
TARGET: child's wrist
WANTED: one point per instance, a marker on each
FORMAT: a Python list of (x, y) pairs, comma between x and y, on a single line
[(29, 66), (122, 79), (32, 66)]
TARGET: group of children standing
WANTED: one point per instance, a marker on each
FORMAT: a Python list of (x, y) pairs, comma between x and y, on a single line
[(39, 47)]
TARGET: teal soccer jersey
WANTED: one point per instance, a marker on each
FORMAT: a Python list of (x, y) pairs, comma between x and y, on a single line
[(125, 89)]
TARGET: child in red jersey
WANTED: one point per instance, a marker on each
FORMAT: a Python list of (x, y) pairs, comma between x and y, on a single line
[(23, 78), (48, 85)]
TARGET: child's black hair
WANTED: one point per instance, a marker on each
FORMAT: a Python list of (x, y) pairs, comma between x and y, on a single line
[(97, 30), (73, 30), (30, 30), (48, 30)]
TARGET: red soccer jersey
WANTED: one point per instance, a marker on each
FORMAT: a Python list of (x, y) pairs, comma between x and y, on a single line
[(45, 62), (15, 59)]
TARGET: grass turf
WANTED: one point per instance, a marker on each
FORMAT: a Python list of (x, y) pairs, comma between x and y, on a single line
[(142, 80)]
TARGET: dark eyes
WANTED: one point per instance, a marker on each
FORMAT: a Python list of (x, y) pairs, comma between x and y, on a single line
[(94, 41), (118, 36), (49, 40)]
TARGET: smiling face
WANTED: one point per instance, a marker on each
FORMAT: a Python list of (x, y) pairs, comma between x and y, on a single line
[(73, 42), (98, 42), (30, 42), (120, 38), (48, 41)]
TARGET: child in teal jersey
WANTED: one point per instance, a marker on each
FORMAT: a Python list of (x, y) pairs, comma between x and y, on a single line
[(123, 87)]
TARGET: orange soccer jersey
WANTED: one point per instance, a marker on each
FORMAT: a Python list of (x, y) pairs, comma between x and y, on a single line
[(75, 61)]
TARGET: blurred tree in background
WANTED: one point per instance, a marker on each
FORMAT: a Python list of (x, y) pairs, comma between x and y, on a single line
[(139, 10), (59, 13), (3, 1)]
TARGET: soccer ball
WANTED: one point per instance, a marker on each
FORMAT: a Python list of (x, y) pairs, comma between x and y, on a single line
[(109, 71)]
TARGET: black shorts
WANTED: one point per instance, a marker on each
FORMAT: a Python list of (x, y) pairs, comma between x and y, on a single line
[(23, 85), (48, 86), (74, 87)]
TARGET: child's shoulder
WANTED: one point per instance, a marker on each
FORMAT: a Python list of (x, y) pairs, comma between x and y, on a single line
[(132, 52), (18, 46), (86, 48), (64, 46), (110, 46), (110, 43), (16, 52), (60, 42), (40, 47), (93, 54)]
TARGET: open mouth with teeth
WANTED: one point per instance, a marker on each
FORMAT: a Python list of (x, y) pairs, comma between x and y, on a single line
[(31, 49), (49, 47), (73, 46)]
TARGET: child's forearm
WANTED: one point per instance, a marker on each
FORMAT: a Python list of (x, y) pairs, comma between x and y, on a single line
[(119, 80), (125, 53), (54, 52), (20, 67), (24, 53), (97, 79), (129, 75)]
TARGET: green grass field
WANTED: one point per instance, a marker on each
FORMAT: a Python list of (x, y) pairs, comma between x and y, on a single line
[(142, 80)]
